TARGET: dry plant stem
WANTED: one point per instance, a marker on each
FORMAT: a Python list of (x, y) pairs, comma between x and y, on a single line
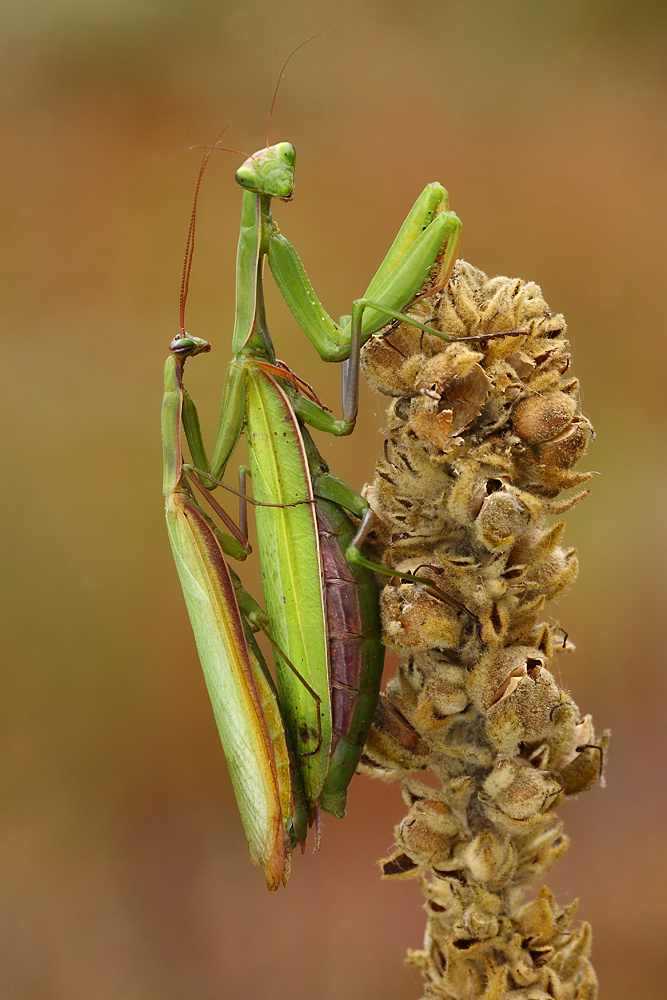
[(481, 438)]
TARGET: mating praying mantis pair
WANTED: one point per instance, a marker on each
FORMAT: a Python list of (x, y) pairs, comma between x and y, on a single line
[(292, 745)]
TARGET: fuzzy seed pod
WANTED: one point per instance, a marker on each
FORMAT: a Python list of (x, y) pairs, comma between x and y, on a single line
[(541, 418), (501, 520)]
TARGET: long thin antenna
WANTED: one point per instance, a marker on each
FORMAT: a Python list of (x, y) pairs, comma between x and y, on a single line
[(190, 242), (280, 76)]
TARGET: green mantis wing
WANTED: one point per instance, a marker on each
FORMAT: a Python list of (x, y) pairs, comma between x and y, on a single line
[(243, 699), (291, 571), (231, 674)]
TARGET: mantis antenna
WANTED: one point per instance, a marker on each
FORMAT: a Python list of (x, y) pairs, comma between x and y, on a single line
[(190, 242), (280, 76), (208, 150)]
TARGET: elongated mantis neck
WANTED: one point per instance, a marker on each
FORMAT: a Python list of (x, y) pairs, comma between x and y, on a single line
[(171, 425), (251, 334)]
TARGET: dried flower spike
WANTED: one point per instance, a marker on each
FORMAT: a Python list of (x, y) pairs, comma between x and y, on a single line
[(481, 437)]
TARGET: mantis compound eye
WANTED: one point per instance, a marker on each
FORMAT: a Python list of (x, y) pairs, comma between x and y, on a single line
[(246, 174), (286, 152)]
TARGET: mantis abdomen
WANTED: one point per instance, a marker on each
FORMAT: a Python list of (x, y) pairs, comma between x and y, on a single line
[(356, 653)]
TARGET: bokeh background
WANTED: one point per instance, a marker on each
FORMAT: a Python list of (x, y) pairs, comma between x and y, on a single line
[(123, 869)]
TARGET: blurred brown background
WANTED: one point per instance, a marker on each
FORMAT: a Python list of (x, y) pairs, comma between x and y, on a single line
[(124, 871)]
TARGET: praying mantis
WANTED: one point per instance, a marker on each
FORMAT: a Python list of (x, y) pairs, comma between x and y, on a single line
[(292, 746)]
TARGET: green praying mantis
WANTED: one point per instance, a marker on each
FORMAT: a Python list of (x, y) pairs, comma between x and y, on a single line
[(291, 745)]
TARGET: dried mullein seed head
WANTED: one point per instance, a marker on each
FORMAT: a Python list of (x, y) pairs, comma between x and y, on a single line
[(433, 698), (541, 920), (462, 897), (521, 363), (447, 896), (409, 493), (539, 853), (549, 368), (468, 490), (382, 361), (391, 361), (461, 745), (481, 438), (559, 507), (456, 382), (445, 372), (504, 730), (470, 496), (509, 352), (482, 305), (548, 491), (398, 866), (523, 614), (431, 424), (549, 638), (495, 415), (414, 620), (493, 613), (474, 910), (551, 749), (435, 664), (525, 716), (405, 686), (458, 793), (582, 734), (531, 993)]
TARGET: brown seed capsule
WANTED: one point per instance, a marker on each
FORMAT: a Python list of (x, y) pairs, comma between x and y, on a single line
[(535, 545), (488, 858), (556, 572), (429, 832), (587, 767), (459, 383), (413, 619), (479, 923), (501, 520), (522, 364), (502, 675), (382, 361), (515, 789), (565, 450), (443, 696), (393, 745), (540, 418)]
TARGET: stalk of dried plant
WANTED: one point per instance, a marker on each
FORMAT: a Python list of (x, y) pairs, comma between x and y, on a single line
[(481, 437)]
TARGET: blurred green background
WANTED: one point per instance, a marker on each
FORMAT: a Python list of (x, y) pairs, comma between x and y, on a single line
[(123, 869)]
